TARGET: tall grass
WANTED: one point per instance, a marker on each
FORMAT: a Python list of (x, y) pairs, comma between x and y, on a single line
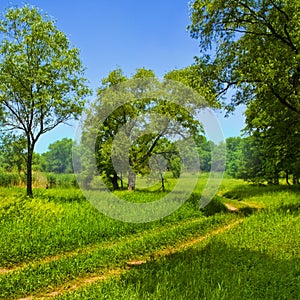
[(40, 180), (61, 220), (11, 179)]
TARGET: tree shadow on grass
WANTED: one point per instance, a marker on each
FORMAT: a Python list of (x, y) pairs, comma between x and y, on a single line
[(217, 205), (293, 209), (216, 271), (251, 190)]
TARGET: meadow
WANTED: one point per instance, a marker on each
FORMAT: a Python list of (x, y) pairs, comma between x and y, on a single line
[(243, 245)]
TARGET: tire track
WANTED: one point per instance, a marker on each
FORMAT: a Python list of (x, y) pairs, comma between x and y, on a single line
[(115, 273), (94, 247)]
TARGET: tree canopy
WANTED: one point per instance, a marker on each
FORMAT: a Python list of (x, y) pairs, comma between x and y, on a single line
[(250, 48), (58, 158), (250, 53)]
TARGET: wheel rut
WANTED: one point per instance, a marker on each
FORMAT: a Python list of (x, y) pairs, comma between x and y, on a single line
[(117, 272)]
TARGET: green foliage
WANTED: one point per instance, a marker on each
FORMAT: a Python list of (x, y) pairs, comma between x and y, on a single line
[(256, 47), (58, 158), (13, 150), (10, 179), (190, 77), (255, 60), (61, 180), (41, 77), (204, 150), (144, 127), (234, 155), (274, 131)]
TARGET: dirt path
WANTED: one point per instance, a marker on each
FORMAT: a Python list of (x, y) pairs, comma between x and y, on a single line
[(85, 281), (79, 283), (231, 208)]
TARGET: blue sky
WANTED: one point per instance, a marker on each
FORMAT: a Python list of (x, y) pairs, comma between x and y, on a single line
[(128, 34)]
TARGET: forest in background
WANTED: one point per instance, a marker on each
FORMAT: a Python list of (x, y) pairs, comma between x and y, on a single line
[(246, 158)]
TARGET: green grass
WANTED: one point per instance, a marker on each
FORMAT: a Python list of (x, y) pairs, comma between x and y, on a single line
[(38, 277), (260, 259), (61, 220), (57, 221), (58, 237)]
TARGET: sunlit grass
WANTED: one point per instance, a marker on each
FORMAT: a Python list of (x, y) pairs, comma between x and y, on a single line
[(260, 259), (59, 236)]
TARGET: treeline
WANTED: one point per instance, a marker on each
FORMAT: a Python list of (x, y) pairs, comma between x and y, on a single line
[(58, 158), (254, 159), (246, 158)]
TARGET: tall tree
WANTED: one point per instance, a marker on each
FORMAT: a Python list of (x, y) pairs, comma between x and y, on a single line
[(135, 133), (277, 129), (41, 77), (256, 47)]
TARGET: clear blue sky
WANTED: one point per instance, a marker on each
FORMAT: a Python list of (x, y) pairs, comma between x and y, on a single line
[(128, 34)]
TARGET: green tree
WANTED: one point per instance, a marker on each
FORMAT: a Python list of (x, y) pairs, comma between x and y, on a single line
[(234, 158), (41, 77), (252, 164), (277, 130), (256, 48), (13, 150), (138, 125), (58, 158), (204, 149)]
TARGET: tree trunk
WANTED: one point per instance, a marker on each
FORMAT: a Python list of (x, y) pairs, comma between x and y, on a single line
[(131, 180), (29, 172), (287, 177), (162, 182), (114, 181), (122, 184)]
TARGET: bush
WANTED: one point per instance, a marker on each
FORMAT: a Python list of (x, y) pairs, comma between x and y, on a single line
[(11, 179), (62, 180)]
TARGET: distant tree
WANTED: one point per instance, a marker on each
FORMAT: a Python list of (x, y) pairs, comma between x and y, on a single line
[(58, 158), (251, 167), (41, 77), (234, 158), (218, 156), (204, 149)]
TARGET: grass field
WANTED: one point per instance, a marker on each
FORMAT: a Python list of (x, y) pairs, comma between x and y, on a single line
[(243, 245)]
